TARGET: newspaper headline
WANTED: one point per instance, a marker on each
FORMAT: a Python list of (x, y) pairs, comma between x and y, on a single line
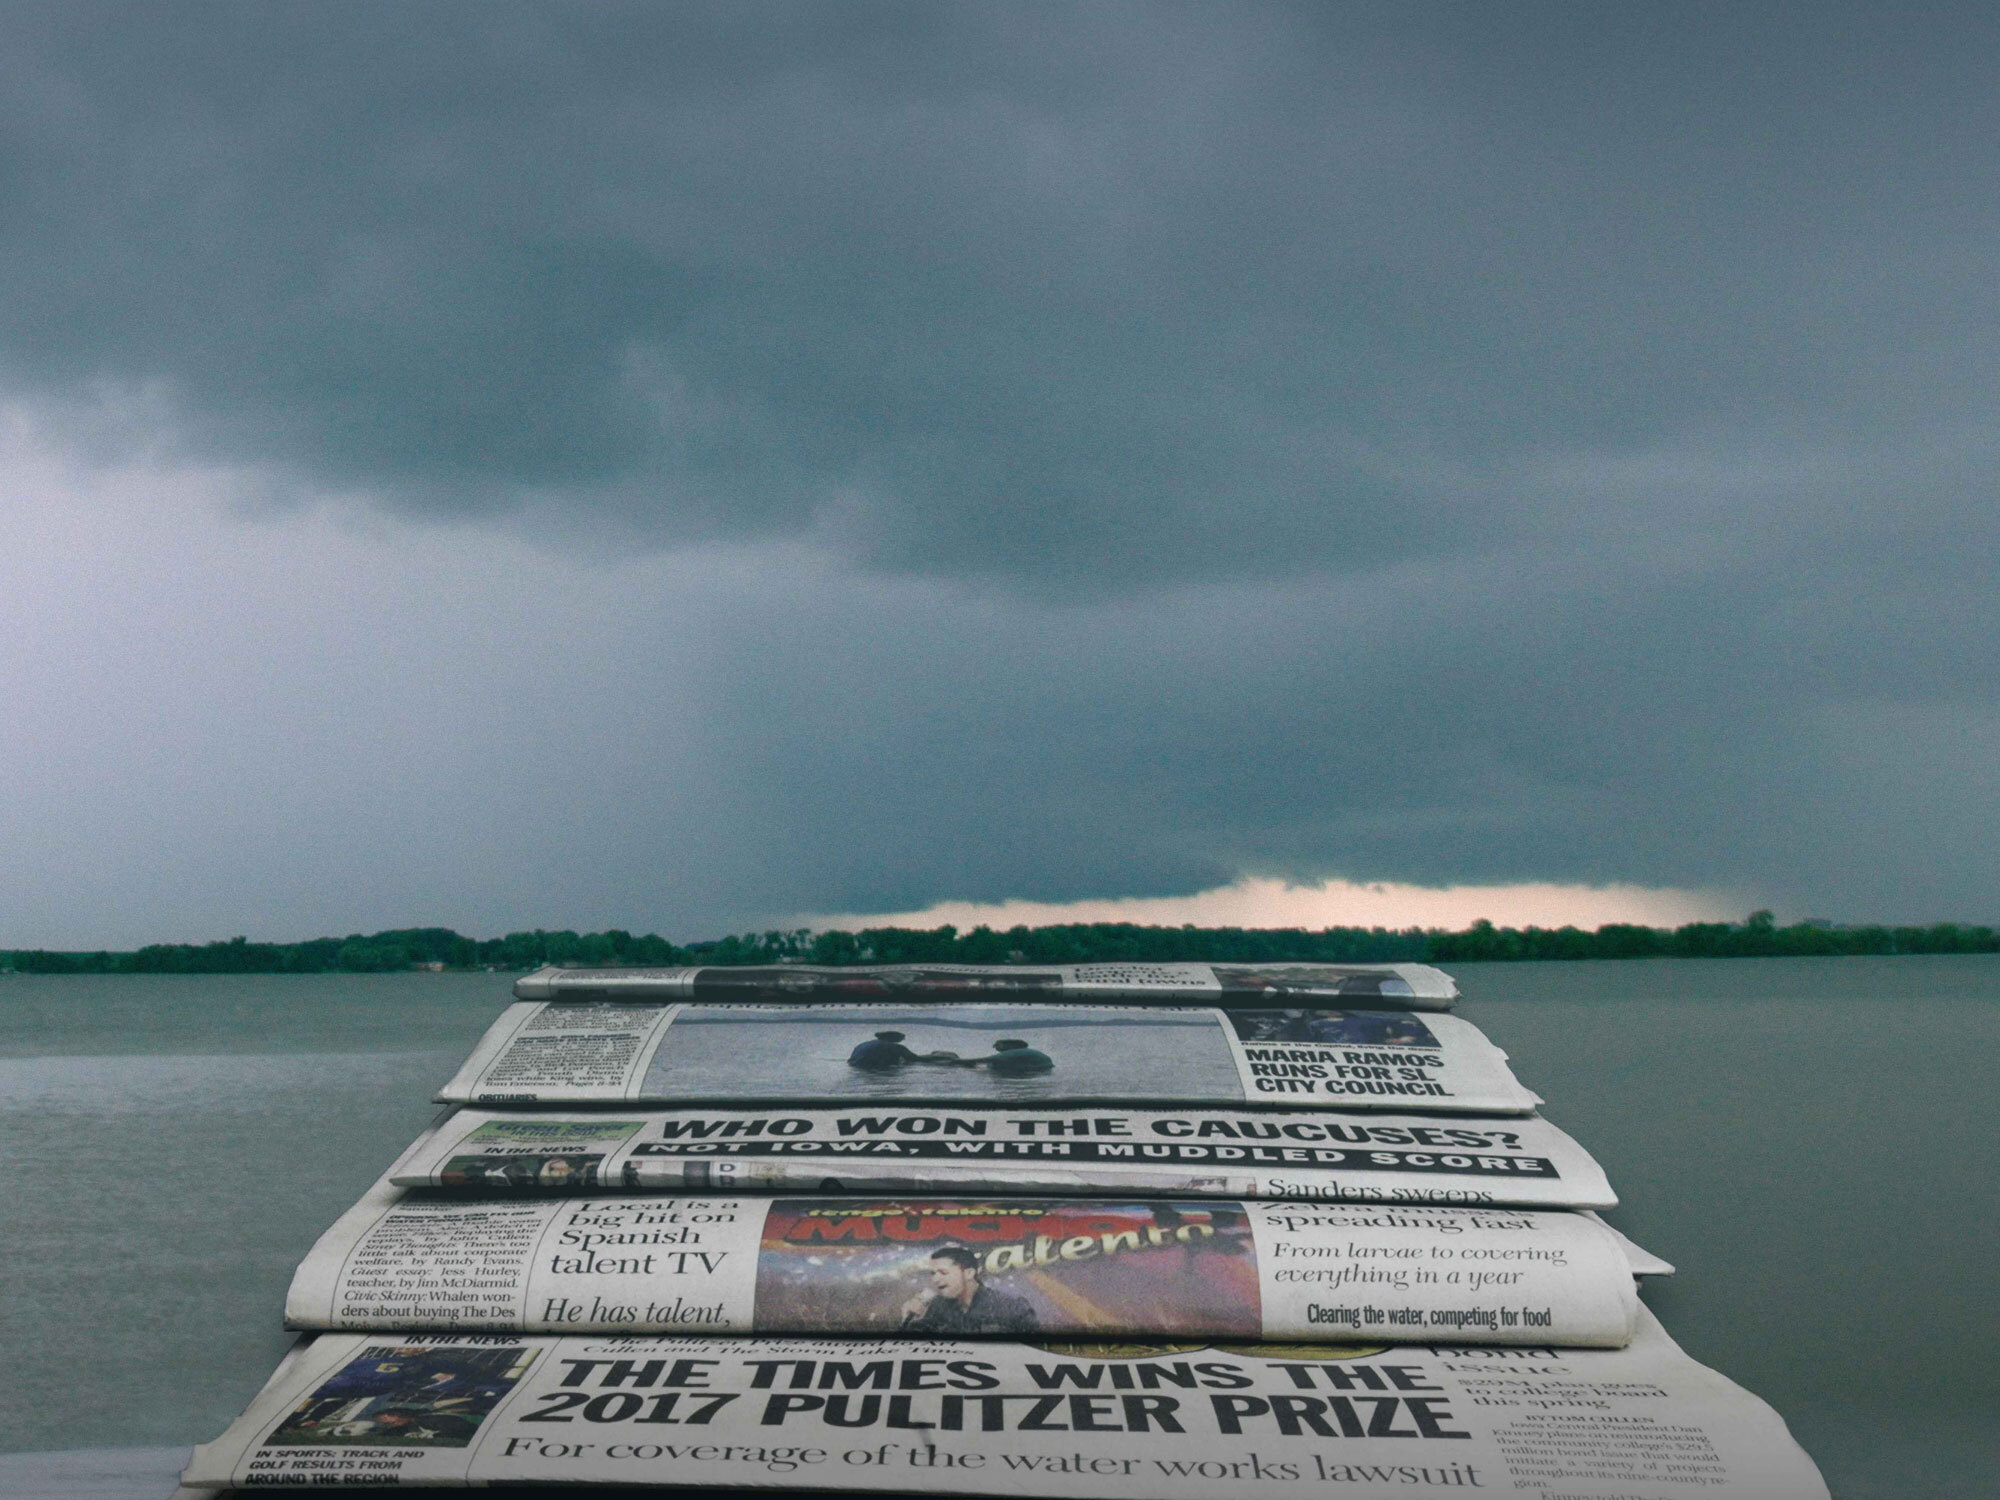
[(1378, 1158), (931, 1416)]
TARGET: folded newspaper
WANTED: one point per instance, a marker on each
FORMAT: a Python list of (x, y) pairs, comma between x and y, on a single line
[(1520, 1162), (621, 1052), (856, 1266), (1397, 986), (1068, 1421)]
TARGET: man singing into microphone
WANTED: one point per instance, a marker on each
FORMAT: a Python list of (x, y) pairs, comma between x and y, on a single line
[(960, 1301)]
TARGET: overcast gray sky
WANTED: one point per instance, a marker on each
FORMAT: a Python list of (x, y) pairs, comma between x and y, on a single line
[(679, 467)]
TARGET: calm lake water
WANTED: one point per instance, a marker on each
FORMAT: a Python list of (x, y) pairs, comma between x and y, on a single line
[(1811, 1141)]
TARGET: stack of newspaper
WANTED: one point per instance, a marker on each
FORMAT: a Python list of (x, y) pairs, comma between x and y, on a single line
[(1128, 1230)]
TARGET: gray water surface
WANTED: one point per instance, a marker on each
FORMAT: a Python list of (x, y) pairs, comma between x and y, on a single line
[(1811, 1142), (172, 1146)]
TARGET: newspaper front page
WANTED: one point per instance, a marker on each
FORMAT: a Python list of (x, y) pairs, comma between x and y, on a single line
[(1514, 1162), (999, 1267), (1397, 986), (617, 1052), (1072, 1421)]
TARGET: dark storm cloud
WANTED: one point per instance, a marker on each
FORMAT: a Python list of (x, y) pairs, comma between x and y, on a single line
[(1475, 725), (1004, 291), (1432, 443)]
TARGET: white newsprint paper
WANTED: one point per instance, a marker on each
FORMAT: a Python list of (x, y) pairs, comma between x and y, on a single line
[(998, 1267), (1066, 1421), (623, 1052), (1213, 1153), (1356, 986)]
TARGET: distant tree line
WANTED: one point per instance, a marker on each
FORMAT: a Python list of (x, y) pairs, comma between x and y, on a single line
[(1757, 937), (406, 948)]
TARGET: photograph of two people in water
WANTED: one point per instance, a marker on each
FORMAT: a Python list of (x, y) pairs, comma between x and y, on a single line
[(1008, 1053)]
